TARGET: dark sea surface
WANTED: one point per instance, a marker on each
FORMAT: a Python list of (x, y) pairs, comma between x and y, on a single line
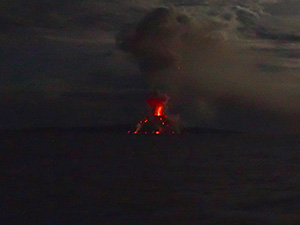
[(70, 177)]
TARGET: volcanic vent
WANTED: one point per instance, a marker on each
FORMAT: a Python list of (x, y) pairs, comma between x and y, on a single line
[(157, 122)]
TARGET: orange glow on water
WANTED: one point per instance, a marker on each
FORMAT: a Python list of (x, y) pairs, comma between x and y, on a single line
[(158, 111)]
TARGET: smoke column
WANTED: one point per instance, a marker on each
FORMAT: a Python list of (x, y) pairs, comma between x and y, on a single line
[(201, 70)]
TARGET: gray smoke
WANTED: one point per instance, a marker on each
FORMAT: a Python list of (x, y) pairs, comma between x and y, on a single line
[(201, 70)]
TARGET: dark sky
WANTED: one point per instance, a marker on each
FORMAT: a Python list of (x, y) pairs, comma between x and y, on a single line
[(60, 67)]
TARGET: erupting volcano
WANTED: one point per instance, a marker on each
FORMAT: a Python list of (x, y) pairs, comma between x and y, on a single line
[(152, 42), (157, 122)]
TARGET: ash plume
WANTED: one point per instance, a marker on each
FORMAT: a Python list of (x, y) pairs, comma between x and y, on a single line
[(201, 70)]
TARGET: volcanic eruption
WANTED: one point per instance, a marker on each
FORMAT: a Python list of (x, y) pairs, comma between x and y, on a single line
[(154, 60), (157, 121), (175, 55), (212, 75)]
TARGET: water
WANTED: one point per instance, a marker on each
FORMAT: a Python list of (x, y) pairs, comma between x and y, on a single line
[(97, 178)]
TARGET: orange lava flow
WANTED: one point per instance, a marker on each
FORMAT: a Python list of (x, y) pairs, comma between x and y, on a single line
[(158, 111)]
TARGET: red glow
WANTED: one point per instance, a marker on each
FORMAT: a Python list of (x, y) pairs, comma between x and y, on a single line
[(157, 101), (158, 123), (158, 111)]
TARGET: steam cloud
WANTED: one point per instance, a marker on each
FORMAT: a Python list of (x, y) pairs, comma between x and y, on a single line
[(201, 71)]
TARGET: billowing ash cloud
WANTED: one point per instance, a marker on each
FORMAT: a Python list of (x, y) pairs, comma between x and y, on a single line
[(202, 71), (162, 42), (154, 39), (167, 45)]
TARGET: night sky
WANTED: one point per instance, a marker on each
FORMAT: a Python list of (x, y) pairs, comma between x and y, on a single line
[(62, 64)]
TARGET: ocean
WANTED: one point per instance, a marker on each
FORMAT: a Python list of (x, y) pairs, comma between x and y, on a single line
[(72, 177)]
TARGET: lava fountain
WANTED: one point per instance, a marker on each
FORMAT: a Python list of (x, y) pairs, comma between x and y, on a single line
[(157, 122)]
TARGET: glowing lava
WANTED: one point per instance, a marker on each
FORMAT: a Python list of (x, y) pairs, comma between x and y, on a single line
[(157, 122), (158, 111)]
